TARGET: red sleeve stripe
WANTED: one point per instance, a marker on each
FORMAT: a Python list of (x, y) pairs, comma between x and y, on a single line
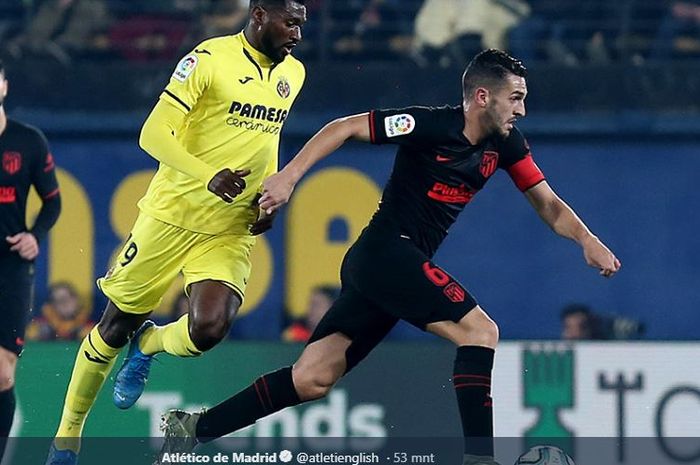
[(371, 127), (51, 194), (525, 173)]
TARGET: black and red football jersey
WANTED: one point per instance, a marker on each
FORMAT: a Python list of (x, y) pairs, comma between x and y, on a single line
[(437, 171), (26, 161)]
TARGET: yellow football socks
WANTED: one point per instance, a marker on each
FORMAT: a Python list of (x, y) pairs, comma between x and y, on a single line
[(173, 338), (92, 365)]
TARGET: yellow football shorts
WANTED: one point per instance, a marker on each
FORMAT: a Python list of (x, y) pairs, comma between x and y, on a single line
[(156, 252)]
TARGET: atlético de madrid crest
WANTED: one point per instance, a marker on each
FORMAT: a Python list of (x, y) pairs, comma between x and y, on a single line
[(11, 162), (489, 163), (283, 87)]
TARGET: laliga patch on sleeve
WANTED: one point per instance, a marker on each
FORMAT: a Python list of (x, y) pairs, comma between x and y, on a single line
[(399, 125), (185, 68)]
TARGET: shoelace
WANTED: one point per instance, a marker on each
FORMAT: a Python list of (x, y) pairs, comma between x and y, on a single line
[(140, 368)]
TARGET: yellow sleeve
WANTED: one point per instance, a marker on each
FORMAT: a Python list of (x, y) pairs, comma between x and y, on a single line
[(158, 139), (191, 78)]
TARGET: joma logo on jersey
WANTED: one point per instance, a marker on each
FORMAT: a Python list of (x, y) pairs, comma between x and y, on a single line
[(261, 112), (451, 194)]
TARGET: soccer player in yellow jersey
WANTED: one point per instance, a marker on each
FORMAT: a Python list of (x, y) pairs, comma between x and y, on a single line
[(215, 131)]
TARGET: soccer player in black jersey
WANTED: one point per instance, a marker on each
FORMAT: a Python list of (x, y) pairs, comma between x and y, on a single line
[(26, 161), (445, 156)]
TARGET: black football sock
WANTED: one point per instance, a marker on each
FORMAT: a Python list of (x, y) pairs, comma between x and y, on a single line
[(472, 382), (268, 394), (7, 413)]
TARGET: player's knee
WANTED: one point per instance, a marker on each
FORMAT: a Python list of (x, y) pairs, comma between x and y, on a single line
[(312, 384), (7, 378), (208, 332), (7, 382), (490, 333), (478, 329), (7, 371), (115, 326)]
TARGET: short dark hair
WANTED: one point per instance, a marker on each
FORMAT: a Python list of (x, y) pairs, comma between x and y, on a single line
[(489, 69), (272, 3)]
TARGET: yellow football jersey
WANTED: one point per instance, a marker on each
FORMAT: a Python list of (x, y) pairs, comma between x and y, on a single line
[(236, 101)]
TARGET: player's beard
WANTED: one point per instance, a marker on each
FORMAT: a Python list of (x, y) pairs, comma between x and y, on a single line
[(493, 122), (273, 52)]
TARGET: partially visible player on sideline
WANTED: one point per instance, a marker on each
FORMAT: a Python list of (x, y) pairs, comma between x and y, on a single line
[(445, 156), (216, 132), (26, 162)]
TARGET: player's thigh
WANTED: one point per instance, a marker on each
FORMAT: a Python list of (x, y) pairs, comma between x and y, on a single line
[(16, 296), (359, 321), (150, 259), (401, 280), (222, 258)]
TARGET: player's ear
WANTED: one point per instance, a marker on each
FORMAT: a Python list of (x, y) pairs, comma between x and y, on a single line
[(481, 96), (258, 16)]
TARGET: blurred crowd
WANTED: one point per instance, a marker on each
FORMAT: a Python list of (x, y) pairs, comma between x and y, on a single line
[(428, 32), (580, 323)]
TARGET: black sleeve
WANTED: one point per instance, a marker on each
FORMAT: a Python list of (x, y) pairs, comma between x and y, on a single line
[(513, 149), (46, 185), (517, 160), (403, 126)]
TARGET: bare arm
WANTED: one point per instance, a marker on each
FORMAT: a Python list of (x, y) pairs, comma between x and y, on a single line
[(278, 188), (564, 221)]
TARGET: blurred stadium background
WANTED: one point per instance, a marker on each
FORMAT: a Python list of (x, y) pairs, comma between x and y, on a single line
[(613, 121)]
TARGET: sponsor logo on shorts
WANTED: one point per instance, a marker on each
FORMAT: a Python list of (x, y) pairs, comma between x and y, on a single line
[(489, 163), (399, 125), (11, 162), (185, 68)]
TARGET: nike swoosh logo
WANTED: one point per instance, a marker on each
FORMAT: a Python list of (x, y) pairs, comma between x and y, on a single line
[(205, 51), (442, 159), (245, 80), (94, 359)]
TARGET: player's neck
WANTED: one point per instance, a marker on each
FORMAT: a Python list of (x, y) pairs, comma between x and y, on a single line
[(472, 129), (254, 40)]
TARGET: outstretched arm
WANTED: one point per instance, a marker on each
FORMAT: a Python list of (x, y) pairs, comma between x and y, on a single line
[(278, 188), (564, 221)]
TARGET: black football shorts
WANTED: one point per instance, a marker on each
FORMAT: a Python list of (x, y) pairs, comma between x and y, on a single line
[(16, 295), (385, 277)]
